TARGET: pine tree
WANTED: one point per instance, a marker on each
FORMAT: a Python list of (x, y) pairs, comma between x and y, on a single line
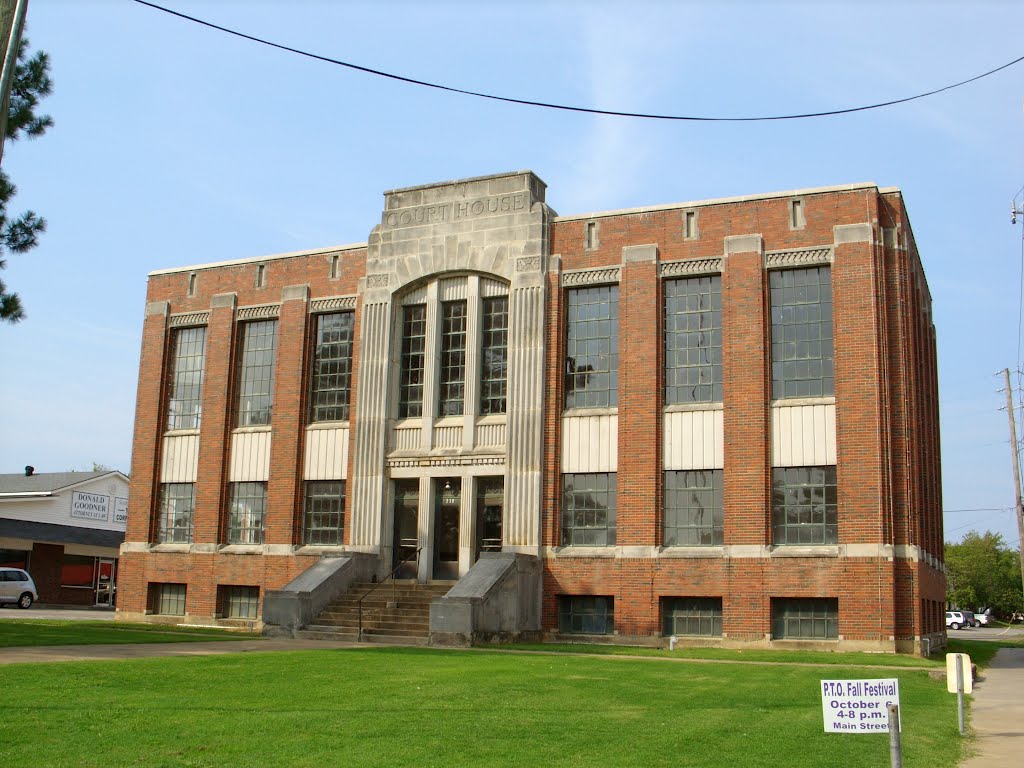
[(18, 235)]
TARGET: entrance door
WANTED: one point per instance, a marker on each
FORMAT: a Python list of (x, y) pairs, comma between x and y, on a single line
[(490, 507), (407, 512), (105, 581), (446, 528)]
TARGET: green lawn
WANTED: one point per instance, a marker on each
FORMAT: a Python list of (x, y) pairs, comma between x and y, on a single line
[(421, 707), (980, 651), (726, 654), (28, 632)]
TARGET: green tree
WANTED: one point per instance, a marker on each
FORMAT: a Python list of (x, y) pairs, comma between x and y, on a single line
[(982, 572), (20, 234)]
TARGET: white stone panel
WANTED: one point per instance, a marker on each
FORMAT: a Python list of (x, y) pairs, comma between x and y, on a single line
[(408, 438), (447, 437), (490, 435), (803, 435), (590, 443), (250, 457), (180, 459), (326, 454), (694, 439)]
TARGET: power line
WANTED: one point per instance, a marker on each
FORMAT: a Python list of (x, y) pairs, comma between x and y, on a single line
[(565, 107)]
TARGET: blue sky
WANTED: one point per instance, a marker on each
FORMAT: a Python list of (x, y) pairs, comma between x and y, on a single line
[(175, 145)]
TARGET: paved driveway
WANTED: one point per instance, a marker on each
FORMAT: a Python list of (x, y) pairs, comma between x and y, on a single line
[(1013, 632)]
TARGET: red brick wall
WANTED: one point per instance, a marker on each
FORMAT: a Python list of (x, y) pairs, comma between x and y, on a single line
[(641, 353), (887, 441)]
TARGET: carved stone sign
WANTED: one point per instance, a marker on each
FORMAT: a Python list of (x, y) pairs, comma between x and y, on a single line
[(458, 210)]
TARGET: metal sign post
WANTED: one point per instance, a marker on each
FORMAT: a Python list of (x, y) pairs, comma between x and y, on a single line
[(960, 692), (959, 680), (895, 750)]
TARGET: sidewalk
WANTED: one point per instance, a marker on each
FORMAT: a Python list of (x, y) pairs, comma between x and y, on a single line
[(43, 653), (998, 712)]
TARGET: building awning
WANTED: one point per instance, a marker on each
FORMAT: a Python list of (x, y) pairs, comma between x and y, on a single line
[(51, 533)]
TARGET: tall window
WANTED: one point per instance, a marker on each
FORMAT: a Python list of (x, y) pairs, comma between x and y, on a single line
[(693, 508), (185, 404), (804, 507), (802, 363), (414, 344), (324, 520), (693, 340), (585, 615), (805, 618), (177, 506), (588, 510), (256, 373), (332, 367), (248, 512), (494, 355), (701, 616), (453, 358), (592, 347)]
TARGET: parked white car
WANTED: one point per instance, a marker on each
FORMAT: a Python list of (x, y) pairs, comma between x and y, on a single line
[(17, 587), (956, 620)]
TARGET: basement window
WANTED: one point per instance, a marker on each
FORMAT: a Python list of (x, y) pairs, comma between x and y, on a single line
[(586, 615)]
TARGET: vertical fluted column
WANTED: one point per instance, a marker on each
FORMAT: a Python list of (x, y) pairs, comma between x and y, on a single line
[(521, 529), (370, 434)]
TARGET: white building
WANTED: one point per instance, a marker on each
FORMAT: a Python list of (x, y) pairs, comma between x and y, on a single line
[(65, 528)]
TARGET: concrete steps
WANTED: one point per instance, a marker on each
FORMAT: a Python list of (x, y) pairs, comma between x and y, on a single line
[(392, 613)]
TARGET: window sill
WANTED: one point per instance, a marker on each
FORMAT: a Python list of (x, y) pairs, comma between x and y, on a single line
[(242, 549), (714, 551), (684, 407), (171, 548), (313, 426), (416, 423), (790, 402), (251, 430), (791, 550), (450, 421), (577, 412), (578, 551), (492, 418), (320, 549), (180, 432)]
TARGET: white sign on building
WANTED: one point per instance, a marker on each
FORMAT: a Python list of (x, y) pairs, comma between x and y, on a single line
[(120, 510), (858, 706), (90, 506)]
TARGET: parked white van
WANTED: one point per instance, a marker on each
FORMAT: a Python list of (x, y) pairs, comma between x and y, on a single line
[(17, 587)]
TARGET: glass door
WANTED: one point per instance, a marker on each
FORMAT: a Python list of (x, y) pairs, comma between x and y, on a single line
[(448, 492), (407, 512), (105, 572), (490, 507)]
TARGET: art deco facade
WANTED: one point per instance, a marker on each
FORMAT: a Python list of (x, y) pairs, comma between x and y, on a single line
[(715, 420)]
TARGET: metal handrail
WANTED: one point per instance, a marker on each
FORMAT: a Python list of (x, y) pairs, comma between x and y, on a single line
[(394, 570)]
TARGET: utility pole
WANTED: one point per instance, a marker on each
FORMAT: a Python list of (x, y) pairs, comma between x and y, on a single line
[(12, 21), (1018, 505)]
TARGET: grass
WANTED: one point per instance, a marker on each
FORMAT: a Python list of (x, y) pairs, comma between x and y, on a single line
[(981, 651), (403, 706), (35, 632), (725, 654)]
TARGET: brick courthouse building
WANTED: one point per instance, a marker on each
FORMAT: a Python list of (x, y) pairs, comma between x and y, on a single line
[(715, 420)]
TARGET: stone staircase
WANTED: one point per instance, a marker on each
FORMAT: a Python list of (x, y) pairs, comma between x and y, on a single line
[(392, 613)]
